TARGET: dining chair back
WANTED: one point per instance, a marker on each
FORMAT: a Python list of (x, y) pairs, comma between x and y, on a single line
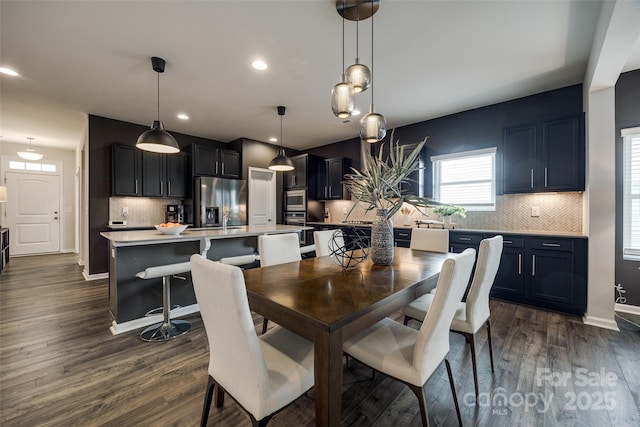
[(322, 241), (263, 374), (410, 355), (430, 239), (276, 249)]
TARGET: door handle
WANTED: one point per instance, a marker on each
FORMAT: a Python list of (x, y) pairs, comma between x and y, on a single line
[(531, 178), (533, 266), (55, 217), (545, 177), (519, 264)]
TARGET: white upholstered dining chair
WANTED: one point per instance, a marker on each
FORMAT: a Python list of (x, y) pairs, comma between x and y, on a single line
[(322, 241), (263, 374), (471, 315), (430, 239), (409, 355), (274, 249)]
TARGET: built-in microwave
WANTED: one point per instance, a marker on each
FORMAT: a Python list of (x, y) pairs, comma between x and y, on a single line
[(295, 200)]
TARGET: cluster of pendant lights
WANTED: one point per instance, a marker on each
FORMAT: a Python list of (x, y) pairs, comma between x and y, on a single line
[(357, 77)]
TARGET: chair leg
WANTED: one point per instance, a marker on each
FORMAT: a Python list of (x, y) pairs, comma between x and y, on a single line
[(208, 394), (218, 396), (422, 400), (265, 322), (262, 423), (490, 346), (470, 338), (453, 391)]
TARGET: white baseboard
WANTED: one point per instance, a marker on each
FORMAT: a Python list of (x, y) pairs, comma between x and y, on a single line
[(132, 325), (600, 322), (69, 251), (80, 262), (94, 276), (631, 309)]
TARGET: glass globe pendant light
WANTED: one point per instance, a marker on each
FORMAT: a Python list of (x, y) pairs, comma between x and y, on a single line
[(157, 139), (281, 162), (358, 75), (373, 126), (343, 95)]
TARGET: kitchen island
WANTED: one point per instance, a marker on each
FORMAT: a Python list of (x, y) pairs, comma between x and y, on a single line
[(130, 252)]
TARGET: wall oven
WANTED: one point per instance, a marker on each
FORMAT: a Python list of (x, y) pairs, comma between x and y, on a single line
[(295, 201), (297, 218)]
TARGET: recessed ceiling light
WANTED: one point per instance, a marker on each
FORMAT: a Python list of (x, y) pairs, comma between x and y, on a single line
[(259, 64), (8, 72), (273, 139), (183, 116), (355, 112)]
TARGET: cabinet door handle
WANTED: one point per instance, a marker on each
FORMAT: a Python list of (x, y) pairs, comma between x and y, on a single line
[(216, 168), (507, 241), (325, 191), (222, 168), (531, 178), (533, 266), (295, 180), (519, 264), (329, 191), (161, 188), (168, 188), (553, 245), (136, 187), (464, 238), (545, 177)]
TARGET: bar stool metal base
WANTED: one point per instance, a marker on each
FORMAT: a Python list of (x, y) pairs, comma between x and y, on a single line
[(165, 331)]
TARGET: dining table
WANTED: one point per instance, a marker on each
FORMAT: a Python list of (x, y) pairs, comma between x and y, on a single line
[(327, 304)]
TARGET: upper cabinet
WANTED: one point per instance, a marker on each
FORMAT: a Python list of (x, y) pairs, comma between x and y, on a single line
[(546, 156), (304, 174), (331, 178), (142, 173), (213, 161)]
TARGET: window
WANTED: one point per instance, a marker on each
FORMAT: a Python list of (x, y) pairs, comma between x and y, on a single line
[(30, 166), (631, 193), (467, 179)]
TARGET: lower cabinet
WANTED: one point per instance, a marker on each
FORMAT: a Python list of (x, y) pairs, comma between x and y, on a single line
[(545, 272)]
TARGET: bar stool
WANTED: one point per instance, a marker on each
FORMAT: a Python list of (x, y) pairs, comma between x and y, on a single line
[(168, 328)]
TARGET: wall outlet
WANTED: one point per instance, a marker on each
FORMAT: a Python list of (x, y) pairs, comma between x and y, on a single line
[(535, 211), (344, 211), (125, 211)]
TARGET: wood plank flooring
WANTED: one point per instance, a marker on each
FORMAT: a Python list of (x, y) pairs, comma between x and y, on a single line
[(60, 366)]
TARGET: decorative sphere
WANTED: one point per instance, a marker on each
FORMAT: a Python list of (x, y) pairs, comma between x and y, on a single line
[(349, 247)]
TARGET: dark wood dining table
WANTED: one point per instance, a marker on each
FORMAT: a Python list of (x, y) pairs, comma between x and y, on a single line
[(320, 301)]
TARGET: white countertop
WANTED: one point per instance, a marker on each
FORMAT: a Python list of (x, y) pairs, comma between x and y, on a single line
[(144, 237)]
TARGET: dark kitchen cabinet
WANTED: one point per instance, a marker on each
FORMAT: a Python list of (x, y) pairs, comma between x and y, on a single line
[(126, 170), (402, 237), (458, 242), (545, 156), (545, 272), (509, 279), (143, 173), (331, 177), (297, 178), (214, 161)]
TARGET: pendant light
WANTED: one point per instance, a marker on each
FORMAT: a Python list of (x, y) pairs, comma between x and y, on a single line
[(30, 153), (3, 189), (373, 126), (157, 139), (342, 95), (281, 162), (358, 75)]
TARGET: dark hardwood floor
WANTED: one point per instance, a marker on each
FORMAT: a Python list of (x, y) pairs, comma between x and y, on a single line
[(60, 366)]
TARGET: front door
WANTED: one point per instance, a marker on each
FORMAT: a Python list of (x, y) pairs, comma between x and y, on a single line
[(33, 212)]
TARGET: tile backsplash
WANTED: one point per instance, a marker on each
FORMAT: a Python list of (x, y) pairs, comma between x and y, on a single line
[(143, 211), (558, 212)]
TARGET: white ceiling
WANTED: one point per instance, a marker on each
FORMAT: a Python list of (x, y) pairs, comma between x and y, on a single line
[(432, 58)]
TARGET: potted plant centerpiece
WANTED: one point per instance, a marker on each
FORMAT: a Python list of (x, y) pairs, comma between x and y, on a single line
[(378, 186), (447, 212)]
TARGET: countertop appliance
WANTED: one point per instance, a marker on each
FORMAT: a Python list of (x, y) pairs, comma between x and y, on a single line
[(174, 213), (215, 197)]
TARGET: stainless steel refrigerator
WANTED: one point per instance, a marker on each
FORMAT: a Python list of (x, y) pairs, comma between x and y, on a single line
[(213, 197)]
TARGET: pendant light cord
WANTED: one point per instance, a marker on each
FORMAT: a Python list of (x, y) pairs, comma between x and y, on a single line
[(357, 35), (372, 53), (158, 95), (281, 147), (343, 69)]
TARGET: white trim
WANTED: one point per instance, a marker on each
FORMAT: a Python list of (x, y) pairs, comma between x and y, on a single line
[(470, 153), (630, 309), (601, 322), (629, 131), (131, 325), (94, 276)]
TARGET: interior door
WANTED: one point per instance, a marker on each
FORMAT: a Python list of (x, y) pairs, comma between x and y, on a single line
[(33, 213), (262, 196)]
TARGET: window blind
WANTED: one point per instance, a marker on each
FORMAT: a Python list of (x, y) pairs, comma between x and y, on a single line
[(466, 179), (631, 193)]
